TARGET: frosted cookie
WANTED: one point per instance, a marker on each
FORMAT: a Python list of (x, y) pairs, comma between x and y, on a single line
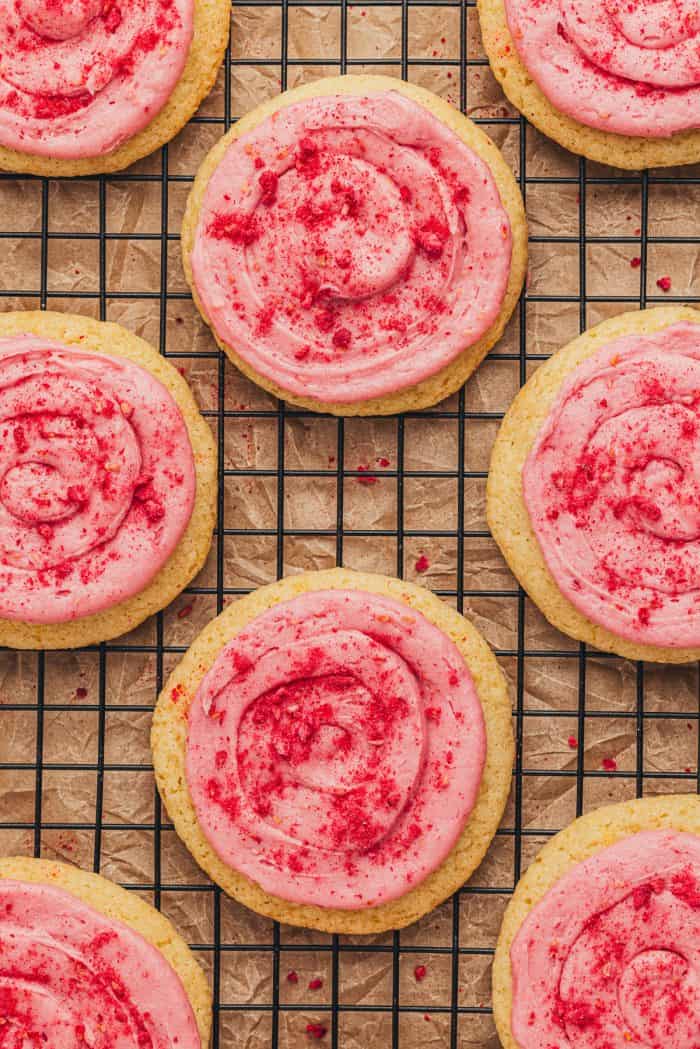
[(107, 481), (89, 86), (335, 750), (593, 493), (599, 944), (615, 81), (356, 245), (85, 963)]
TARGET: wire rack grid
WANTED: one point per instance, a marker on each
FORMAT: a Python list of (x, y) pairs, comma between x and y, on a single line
[(74, 769)]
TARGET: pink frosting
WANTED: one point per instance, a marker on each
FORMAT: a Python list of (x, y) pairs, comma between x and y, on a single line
[(80, 77), (350, 247), (97, 480), (627, 66), (335, 749), (610, 957), (612, 487), (70, 977)]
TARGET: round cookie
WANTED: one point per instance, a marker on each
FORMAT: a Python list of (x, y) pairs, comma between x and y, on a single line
[(445, 381), (580, 840), (622, 151), (209, 42), (507, 513), (191, 551), (119, 905), (169, 743)]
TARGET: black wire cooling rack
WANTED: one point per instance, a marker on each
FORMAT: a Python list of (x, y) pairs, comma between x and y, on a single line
[(75, 773)]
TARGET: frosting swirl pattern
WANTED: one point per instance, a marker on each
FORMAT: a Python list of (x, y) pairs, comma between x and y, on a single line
[(627, 66), (96, 480), (80, 77), (335, 749), (71, 977), (612, 487), (610, 957), (349, 247)]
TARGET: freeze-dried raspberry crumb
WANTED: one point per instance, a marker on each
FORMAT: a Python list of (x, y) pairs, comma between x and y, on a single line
[(315, 1030), (609, 764), (292, 976), (367, 478), (420, 972), (573, 742), (636, 262), (422, 564), (664, 283), (268, 184), (316, 983)]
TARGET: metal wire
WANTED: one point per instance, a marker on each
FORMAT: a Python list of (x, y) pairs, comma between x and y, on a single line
[(271, 1018)]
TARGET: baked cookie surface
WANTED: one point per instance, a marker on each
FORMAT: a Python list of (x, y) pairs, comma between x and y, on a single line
[(579, 498), (149, 66), (193, 766), (108, 498), (349, 319), (644, 144), (130, 936), (618, 887)]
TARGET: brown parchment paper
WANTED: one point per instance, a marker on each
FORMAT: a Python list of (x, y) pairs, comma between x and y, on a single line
[(116, 820)]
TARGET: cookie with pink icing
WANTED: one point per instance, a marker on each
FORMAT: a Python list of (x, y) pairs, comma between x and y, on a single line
[(602, 75), (624, 968), (356, 247), (600, 947), (85, 964), (335, 750), (82, 80), (594, 491), (98, 476), (329, 761)]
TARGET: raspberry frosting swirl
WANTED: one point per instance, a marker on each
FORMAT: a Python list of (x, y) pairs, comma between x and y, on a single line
[(97, 480), (71, 977), (80, 77), (627, 66), (349, 247), (335, 749), (612, 487), (610, 957)]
